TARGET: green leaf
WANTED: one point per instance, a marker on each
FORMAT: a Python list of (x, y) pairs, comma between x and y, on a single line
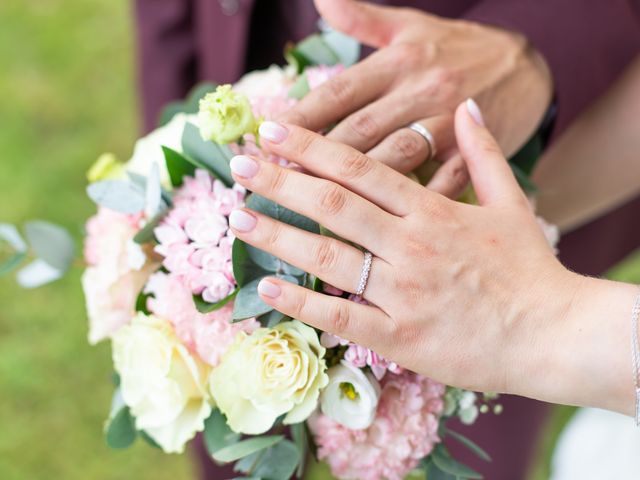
[(141, 303), (299, 89), (12, 262), (469, 444), (301, 441), (442, 459), (146, 234), (272, 318), (51, 243), (248, 303), (217, 434), (205, 307), (177, 165), (527, 157), (241, 449), (191, 105), (314, 50), (278, 212), (121, 429), (147, 438), (434, 473), (215, 157), (244, 269), (277, 462), (346, 48)]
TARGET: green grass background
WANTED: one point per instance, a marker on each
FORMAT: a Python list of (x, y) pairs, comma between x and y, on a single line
[(67, 94)]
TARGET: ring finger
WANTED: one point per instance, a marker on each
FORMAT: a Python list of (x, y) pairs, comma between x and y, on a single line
[(329, 259), (405, 149)]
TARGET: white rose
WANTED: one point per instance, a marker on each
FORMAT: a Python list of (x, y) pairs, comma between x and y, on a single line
[(271, 82), (148, 150), (351, 397), (161, 382), (271, 372)]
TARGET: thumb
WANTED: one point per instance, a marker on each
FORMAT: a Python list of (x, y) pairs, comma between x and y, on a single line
[(370, 24), (490, 173)]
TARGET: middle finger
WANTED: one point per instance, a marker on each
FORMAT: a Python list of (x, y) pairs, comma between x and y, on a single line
[(331, 205)]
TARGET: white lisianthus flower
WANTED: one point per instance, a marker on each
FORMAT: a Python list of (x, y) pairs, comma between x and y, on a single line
[(269, 373), (148, 150), (351, 397), (161, 382)]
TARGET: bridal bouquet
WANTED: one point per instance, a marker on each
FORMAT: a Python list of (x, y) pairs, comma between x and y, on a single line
[(196, 350)]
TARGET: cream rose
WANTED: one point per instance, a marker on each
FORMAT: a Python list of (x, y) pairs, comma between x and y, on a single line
[(269, 373), (351, 397), (161, 382)]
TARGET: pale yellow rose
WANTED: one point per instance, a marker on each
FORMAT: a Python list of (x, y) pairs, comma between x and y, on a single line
[(106, 167), (162, 383), (225, 116), (269, 373)]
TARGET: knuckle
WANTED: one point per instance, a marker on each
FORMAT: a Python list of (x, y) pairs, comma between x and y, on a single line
[(408, 146), (339, 90), (405, 54), (298, 303), (301, 143), (363, 125), (458, 177), (294, 116), (278, 180), (338, 318), (333, 198), (355, 165), (326, 255), (275, 233)]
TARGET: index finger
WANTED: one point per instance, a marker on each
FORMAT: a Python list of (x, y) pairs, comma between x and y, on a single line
[(341, 95)]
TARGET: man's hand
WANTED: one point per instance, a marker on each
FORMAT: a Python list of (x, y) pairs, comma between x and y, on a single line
[(423, 68)]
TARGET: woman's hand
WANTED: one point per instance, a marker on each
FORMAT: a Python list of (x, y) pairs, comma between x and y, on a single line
[(424, 67), (455, 286)]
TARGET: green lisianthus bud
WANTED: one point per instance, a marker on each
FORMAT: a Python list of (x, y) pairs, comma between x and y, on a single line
[(225, 116)]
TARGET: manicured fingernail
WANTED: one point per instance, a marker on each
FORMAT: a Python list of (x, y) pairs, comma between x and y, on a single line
[(242, 221), (268, 288), (474, 111), (244, 166), (274, 132)]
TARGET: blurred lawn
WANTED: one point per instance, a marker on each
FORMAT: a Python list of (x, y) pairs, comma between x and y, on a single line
[(66, 93)]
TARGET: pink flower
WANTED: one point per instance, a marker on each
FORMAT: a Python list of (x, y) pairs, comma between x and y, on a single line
[(316, 76), (210, 334), (194, 238), (117, 271), (404, 431)]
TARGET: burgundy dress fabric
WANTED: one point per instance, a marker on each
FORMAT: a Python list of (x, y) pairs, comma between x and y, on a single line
[(586, 43)]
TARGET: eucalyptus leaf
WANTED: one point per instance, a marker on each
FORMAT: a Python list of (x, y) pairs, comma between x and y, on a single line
[(121, 430), (244, 269), (248, 303), (178, 166), (314, 50), (443, 460), (479, 452), (118, 195), (12, 262), (217, 434), (282, 214), (10, 234), (300, 88), (278, 462), (271, 319), (346, 48), (153, 192), (241, 449), (146, 234), (205, 307), (51, 243), (301, 441), (213, 156)]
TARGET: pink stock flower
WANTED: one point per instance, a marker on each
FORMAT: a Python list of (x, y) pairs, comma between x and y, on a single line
[(117, 270), (194, 238), (404, 431), (316, 76), (210, 334)]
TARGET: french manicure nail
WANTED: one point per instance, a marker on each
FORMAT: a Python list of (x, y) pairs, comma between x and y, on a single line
[(244, 166), (474, 111), (272, 131), (242, 221), (268, 289)]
